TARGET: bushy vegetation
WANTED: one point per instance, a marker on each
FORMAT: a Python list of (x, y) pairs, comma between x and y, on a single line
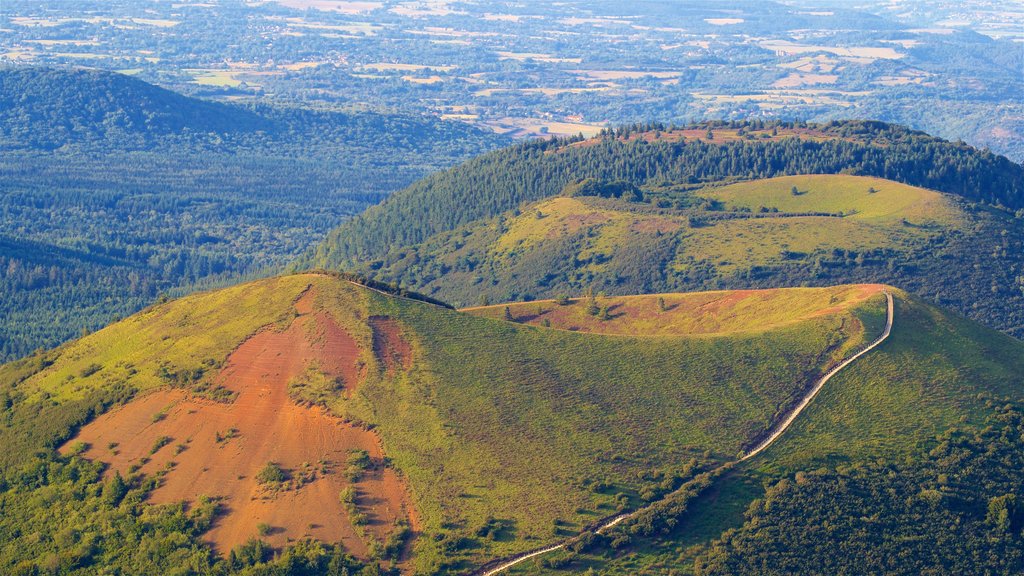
[(906, 463), (62, 517), (934, 372), (114, 191), (272, 473), (496, 419), (948, 507), (747, 235), (500, 181), (908, 457), (511, 436), (949, 510)]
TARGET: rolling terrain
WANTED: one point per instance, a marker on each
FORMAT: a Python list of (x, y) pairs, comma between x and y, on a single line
[(115, 191), (723, 206), (422, 439), (538, 69)]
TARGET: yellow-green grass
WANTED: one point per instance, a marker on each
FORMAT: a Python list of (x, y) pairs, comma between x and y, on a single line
[(134, 349), (561, 216), (227, 78), (520, 417), (935, 371), (492, 419), (714, 313), (895, 216), (840, 193), (739, 244)]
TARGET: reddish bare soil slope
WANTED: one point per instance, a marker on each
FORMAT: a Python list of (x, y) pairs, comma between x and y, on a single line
[(218, 449), (391, 348)]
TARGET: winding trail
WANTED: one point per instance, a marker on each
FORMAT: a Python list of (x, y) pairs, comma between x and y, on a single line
[(779, 429), (491, 569)]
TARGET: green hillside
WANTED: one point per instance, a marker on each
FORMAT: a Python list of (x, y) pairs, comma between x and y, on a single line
[(753, 234), (92, 104), (507, 435), (504, 435), (660, 158), (902, 464)]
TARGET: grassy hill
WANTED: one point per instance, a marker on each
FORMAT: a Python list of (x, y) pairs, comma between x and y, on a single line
[(423, 439), (893, 467), (667, 160), (753, 234), (486, 436)]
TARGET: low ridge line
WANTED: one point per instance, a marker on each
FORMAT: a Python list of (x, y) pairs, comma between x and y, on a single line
[(779, 429)]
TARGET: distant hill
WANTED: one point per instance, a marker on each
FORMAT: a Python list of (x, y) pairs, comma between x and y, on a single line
[(308, 406), (46, 108), (713, 207), (115, 191)]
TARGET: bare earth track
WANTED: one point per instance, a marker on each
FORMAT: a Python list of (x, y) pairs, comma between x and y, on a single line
[(498, 566)]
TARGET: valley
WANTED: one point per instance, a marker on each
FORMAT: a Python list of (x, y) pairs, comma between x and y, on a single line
[(562, 69), (116, 193)]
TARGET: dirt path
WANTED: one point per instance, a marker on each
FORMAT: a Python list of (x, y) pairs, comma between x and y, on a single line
[(491, 569), (780, 428)]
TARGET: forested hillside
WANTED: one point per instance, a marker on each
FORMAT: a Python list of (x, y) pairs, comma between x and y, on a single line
[(114, 191), (501, 180), (47, 108), (642, 211)]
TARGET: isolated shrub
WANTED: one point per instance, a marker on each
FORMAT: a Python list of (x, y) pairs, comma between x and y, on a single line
[(357, 463), (90, 370), (347, 495), (271, 474)]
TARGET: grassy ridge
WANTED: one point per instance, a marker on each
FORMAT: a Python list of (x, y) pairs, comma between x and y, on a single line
[(709, 313)]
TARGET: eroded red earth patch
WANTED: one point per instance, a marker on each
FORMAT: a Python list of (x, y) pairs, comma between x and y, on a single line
[(390, 347), (218, 449)]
